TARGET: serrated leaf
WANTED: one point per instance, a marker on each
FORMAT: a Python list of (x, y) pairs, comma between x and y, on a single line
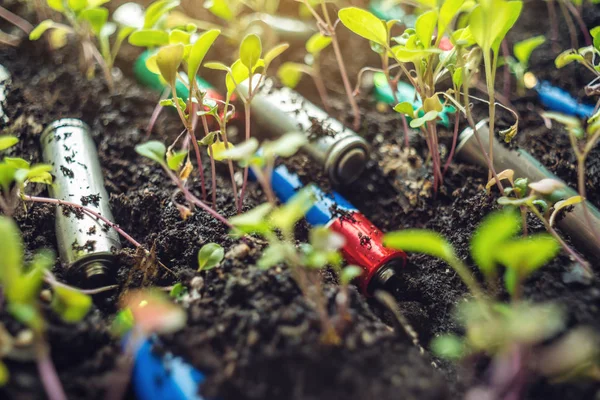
[(209, 256), (496, 229), (364, 24)]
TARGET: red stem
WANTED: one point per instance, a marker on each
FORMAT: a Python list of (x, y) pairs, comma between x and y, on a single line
[(454, 140), (17, 21)]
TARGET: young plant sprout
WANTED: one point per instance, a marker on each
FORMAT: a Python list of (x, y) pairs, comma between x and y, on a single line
[(327, 28), (588, 57), (21, 289), (88, 22), (210, 256), (15, 174), (304, 261), (545, 199), (568, 8), (489, 23), (583, 140), (290, 73), (520, 63), (249, 66)]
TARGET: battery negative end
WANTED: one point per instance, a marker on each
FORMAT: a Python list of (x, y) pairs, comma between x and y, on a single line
[(347, 160)]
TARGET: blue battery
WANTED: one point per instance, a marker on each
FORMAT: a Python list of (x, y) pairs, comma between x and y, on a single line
[(285, 185), (164, 377), (559, 100)]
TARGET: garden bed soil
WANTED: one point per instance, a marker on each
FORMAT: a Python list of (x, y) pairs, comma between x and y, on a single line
[(251, 331)]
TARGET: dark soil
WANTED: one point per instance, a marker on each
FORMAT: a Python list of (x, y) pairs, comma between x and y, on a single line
[(251, 331)]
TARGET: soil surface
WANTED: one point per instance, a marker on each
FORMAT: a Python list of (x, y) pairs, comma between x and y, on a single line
[(250, 330)]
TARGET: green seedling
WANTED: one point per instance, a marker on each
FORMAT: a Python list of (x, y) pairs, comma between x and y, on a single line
[(179, 55), (22, 283), (589, 57), (327, 27), (210, 256), (489, 23), (252, 66), (417, 49), (305, 260), (545, 199), (520, 63), (583, 140), (15, 174), (88, 22), (290, 73)]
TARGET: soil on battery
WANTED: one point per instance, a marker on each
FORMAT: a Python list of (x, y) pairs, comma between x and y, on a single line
[(250, 330)]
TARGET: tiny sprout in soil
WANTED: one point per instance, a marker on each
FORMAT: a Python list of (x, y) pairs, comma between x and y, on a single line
[(255, 199)]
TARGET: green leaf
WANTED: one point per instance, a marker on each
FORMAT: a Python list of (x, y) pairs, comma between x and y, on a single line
[(219, 66), (524, 48), (317, 43), (242, 151), (238, 74), (528, 254), (496, 229), (491, 20), (149, 38), (209, 139), (7, 141), (275, 52), (286, 216), (364, 24), (96, 17), (77, 5), (27, 314), (153, 150), (425, 26), (180, 36), (250, 51), (71, 305), (177, 290), (273, 255), (290, 73), (16, 162), (39, 30), (4, 374), (209, 256), (350, 273), (56, 5), (448, 10), (122, 323), (449, 347), (405, 108), (567, 57), (429, 116), (174, 160), (220, 8), (595, 32), (168, 60), (156, 10), (286, 146), (421, 241), (40, 174), (11, 248), (562, 204), (199, 50), (253, 221)]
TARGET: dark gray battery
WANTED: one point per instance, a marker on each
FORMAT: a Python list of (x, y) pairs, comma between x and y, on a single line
[(341, 151), (526, 166), (86, 245)]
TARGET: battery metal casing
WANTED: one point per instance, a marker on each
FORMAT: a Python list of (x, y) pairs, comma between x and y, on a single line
[(86, 245), (280, 110), (526, 166)]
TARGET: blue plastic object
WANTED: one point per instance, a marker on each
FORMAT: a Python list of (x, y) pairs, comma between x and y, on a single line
[(164, 377), (286, 184), (559, 100)]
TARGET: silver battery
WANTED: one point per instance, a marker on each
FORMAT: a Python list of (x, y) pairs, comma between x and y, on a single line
[(341, 151), (526, 166), (4, 81), (86, 245)]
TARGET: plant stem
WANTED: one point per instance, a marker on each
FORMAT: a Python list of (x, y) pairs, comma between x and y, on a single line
[(564, 245), (489, 78), (342, 67), (156, 112), (570, 26), (454, 140), (247, 123), (582, 26), (212, 165), (581, 183), (47, 371), (17, 21), (321, 89), (223, 128), (466, 276)]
